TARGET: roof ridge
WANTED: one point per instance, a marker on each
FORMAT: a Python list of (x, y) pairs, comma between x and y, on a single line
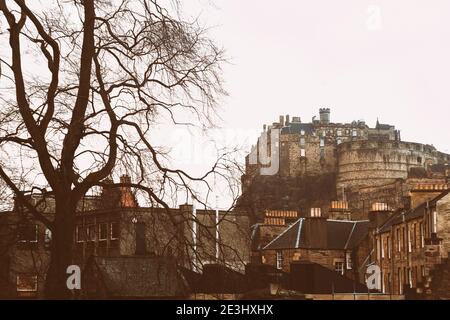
[(288, 228)]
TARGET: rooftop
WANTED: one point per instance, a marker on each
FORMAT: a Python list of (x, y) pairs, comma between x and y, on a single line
[(341, 235)]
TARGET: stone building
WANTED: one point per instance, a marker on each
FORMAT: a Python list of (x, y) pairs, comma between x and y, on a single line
[(114, 225), (339, 245), (321, 161), (410, 245)]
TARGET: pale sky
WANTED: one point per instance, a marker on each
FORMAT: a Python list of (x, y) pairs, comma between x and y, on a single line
[(363, 59)]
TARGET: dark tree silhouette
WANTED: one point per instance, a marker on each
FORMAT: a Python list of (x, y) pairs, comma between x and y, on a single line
[(83, 82)]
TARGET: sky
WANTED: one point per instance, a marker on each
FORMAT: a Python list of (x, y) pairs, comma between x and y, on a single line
[(363, 59)]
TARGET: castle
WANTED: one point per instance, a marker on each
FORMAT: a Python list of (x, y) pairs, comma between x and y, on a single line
[(349, 165)]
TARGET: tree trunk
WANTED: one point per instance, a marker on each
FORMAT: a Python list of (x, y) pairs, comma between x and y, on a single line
[(61, 255)]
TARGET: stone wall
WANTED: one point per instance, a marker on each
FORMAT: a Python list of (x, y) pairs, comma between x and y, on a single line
[(373, 163)]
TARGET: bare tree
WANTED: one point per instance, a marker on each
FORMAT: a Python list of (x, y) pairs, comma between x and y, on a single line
[(83, 84)]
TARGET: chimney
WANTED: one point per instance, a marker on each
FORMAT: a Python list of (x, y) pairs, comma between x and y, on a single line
[(421, 193), (282, 121), (324, 115), (378, 214), (339, 210), (127, 198), (287, 120), (315, 230)]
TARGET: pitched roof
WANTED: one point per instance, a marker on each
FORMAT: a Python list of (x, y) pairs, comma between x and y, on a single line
[(397, 217), (139, 276), (297, 127), (341, 235)]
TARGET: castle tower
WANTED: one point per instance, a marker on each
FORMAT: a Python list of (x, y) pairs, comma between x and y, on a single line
[(324, 115)]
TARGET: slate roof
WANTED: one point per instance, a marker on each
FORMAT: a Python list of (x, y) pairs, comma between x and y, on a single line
[(397, 217), (341, 235), (139, 276), (296, 127)]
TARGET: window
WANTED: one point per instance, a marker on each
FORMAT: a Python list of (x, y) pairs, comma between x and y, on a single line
[(354, 133), (403, 238), (322, 153), (348, 260), (434, 230), (409, 240), (80, 233), (280, 260), (398, 240), (28, 233), (409, 277), (27, 283), (302, 132), (382, 247), (91, 233), (302, 141), (47, 238), (422, 242), (302, 153), (103, 231), (339, 133), (389, 247), (419, 160), (339, 267), (322, 142), (339, 141), (114, 230)]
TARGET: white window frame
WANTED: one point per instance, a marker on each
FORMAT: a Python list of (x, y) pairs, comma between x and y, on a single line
[(409, 240), (279, 260), (302, 152), (389, 246), (77, 234), (339, 267), (100, 231), (422, 238), (88, 233), (111, 230), (348, 260), (47, 237)]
